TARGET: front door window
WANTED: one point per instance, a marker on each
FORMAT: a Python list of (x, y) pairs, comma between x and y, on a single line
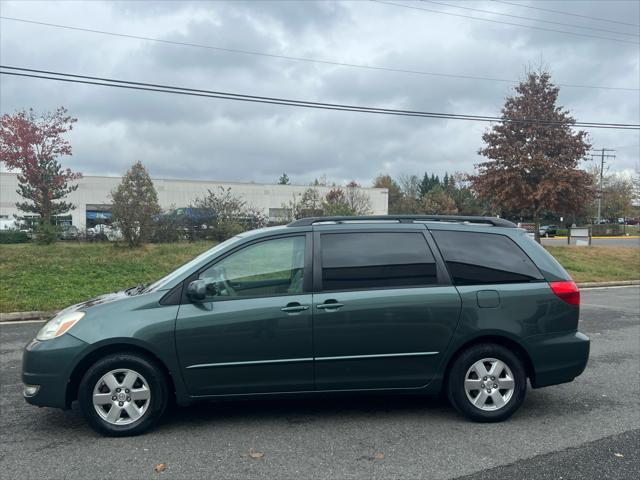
[(269, 268)]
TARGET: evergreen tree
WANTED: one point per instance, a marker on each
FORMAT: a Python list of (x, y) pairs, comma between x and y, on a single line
[(135, 205), (31, 144), (284, 179)]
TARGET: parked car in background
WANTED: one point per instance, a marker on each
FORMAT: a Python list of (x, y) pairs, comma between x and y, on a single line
[(467, 306), (103, 232), (548, 230), (69, 232)]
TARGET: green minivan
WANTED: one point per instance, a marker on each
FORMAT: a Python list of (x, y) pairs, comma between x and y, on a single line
[(468, 306)]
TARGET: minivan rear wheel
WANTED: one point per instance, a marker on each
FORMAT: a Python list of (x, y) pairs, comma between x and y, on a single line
[(123, 394), (487, 383)]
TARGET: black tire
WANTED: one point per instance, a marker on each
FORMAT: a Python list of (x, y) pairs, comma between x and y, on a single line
[(153, 376), (455, 386)]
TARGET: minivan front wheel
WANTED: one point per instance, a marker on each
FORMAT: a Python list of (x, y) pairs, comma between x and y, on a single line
[(123, 394), (487, 383)]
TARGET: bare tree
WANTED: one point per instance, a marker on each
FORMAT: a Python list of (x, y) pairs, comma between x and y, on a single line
[(410, 185), (226, 214), (356, 199)]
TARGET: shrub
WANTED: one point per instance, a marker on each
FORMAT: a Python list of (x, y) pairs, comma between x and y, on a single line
[(167, 229), (13, 236), (225, 214), (607, 229)]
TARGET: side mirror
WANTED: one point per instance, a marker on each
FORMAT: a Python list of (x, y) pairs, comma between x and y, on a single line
[(197, 290)]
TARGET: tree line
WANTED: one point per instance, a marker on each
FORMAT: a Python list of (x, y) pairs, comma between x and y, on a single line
[(531, 171)]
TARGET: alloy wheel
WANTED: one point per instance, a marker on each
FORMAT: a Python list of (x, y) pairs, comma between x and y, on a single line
[(121, 396), (489, 384)]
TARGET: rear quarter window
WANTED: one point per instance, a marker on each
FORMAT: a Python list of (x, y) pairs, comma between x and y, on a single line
[(475, 258), (359, 261)]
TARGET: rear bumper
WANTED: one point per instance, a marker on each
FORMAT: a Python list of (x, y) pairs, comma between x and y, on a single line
[(557, 357), (48, 365)]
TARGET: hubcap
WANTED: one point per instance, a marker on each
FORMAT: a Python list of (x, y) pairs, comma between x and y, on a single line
[(489, 384), (121, 396)]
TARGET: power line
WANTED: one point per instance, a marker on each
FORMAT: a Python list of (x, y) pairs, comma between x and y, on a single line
[(573, 25), (126, 84), (567, 13), (300, 59), (505, 23)]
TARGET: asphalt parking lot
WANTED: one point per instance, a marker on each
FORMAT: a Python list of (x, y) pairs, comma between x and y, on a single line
[(589, 428)]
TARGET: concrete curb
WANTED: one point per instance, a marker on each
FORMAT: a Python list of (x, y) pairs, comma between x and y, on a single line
[(18, 316), (39, 315)]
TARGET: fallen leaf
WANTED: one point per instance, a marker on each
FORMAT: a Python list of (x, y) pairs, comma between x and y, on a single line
[(378, 456), (161, 467), (253, 453), (619, 455)]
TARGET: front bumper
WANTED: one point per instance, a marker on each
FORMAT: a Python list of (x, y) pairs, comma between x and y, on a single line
[(557, 357), (48, 365)]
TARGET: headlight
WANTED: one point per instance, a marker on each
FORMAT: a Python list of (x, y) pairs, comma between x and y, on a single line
[(59, 325)]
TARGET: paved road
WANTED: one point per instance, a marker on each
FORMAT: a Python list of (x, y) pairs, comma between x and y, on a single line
[(586, 429), (612, 242)]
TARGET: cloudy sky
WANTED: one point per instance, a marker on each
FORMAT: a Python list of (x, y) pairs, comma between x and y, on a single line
[(185, 137)]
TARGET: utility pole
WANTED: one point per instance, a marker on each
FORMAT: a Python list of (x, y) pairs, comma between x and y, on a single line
[(602, 162)]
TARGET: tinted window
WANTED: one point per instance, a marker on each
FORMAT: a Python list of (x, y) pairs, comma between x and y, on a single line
[(479, 258), (272, 267), (376, 260)]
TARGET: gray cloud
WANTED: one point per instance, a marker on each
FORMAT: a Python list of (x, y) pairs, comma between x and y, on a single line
[(203, 138)]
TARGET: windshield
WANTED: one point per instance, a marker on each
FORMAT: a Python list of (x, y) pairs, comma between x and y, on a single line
[(180, 271)]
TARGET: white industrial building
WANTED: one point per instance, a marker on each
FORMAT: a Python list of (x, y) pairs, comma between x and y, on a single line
[(91, 199)]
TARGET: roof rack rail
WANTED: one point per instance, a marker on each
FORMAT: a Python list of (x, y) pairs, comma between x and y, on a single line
[(496, 222)]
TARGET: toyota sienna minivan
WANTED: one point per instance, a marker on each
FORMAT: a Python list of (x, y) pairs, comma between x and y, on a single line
[(467, 306)]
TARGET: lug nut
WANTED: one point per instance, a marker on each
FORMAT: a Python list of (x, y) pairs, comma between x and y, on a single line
[(114, 398), (121, 403), (495, 385), (118, 389), (126, 390), (485, 379), (128, 399), (481, 386), (488, 390), (493, 378)]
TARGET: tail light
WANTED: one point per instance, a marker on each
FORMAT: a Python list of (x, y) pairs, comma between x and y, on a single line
[(567, 291)]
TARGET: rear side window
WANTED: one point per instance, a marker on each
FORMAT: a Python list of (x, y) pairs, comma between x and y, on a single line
[(376, 260), (483, 258)]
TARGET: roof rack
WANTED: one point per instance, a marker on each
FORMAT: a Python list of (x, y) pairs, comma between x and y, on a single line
[(496, 222)]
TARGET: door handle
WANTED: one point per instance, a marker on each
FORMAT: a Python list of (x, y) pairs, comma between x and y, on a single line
[(295, 308), (330, 305)]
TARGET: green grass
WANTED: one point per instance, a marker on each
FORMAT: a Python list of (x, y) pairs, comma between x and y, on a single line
[(599, 263), (34, 277)]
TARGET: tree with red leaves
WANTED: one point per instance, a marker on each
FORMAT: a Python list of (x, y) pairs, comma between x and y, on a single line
[(533, 167), (31, 144)]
